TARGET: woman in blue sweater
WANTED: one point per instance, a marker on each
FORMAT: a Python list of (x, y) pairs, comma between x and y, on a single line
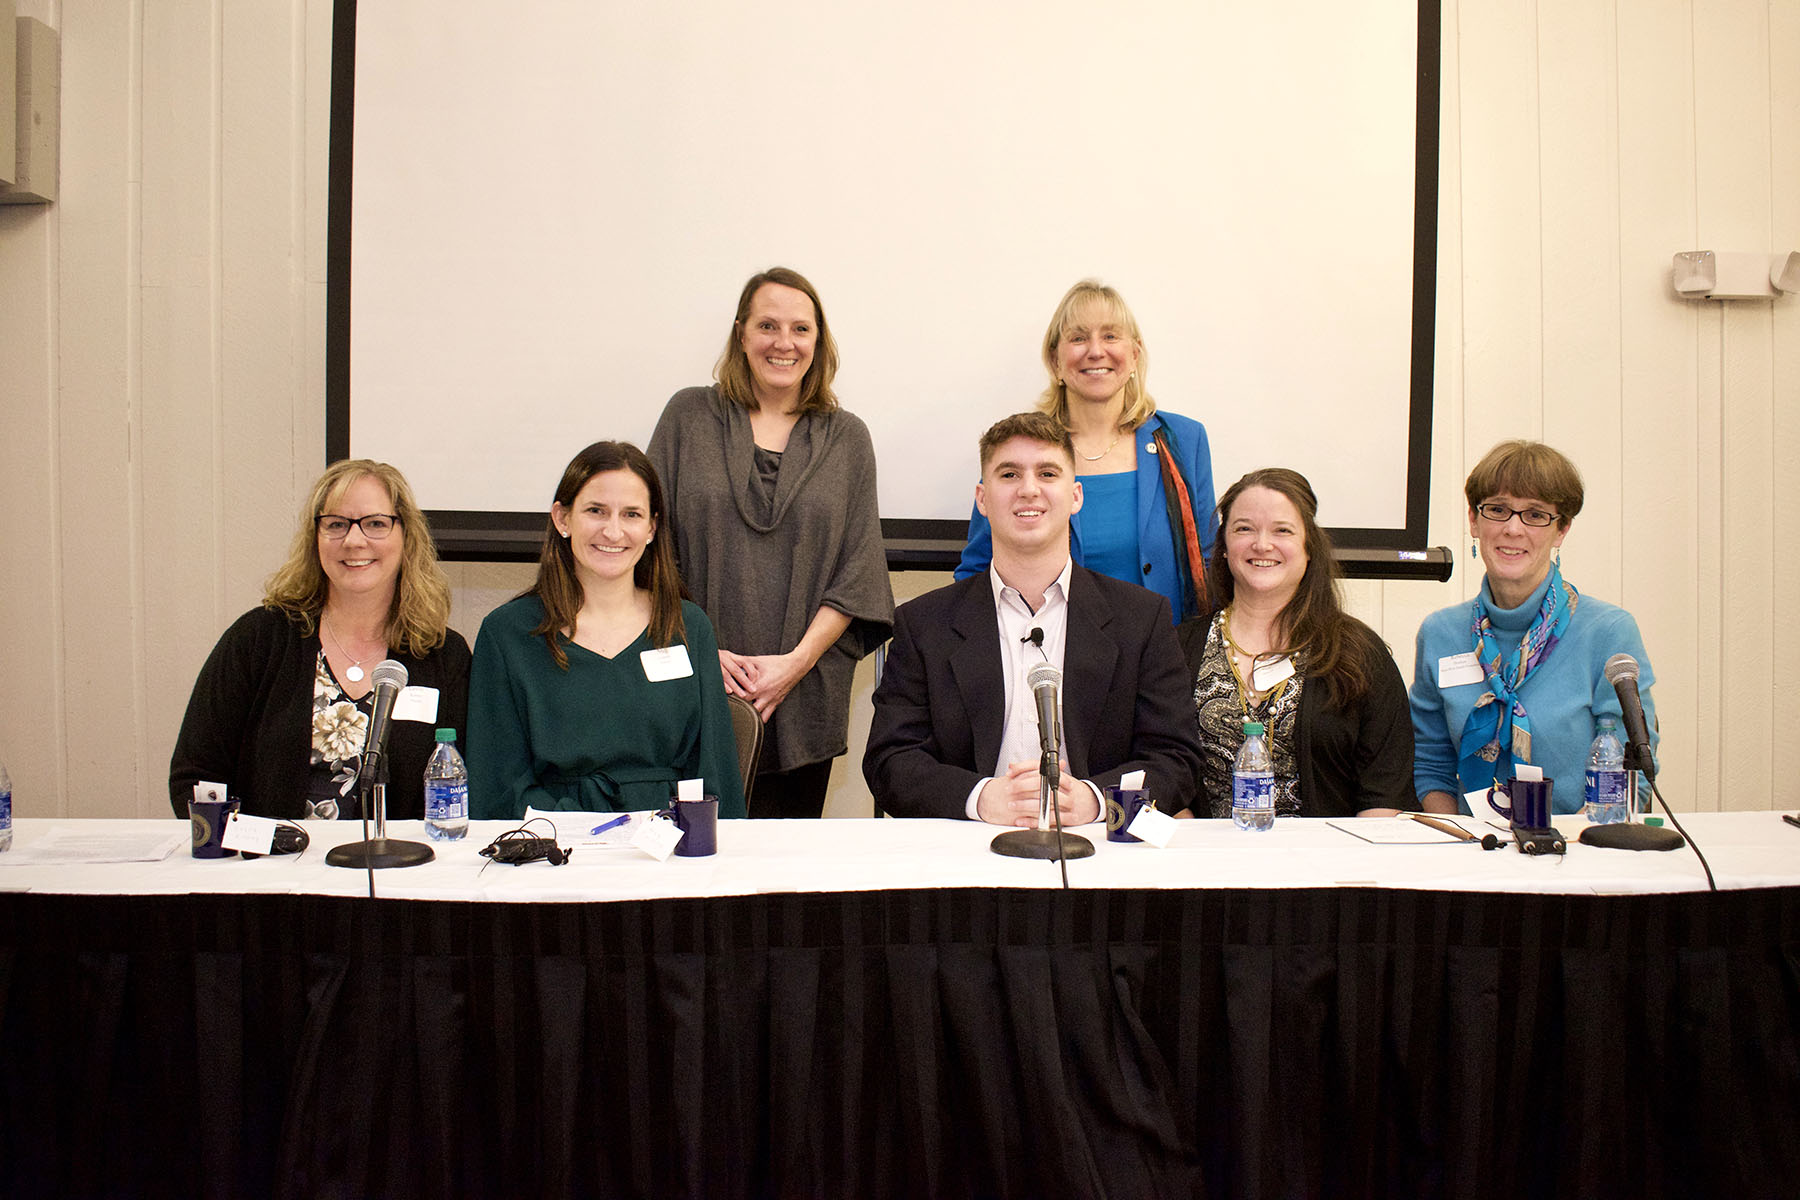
[(1515, 676), (1146, 476)]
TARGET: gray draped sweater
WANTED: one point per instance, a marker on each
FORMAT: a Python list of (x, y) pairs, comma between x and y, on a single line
[(761, 575)]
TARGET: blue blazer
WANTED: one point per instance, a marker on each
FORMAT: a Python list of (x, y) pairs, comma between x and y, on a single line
[(1156, 542)]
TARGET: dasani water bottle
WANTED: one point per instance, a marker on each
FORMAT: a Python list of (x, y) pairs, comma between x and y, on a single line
[(1607, 794), (1253, 782), (446, 791)]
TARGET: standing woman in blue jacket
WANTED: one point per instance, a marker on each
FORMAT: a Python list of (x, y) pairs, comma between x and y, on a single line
[(1146, 476)]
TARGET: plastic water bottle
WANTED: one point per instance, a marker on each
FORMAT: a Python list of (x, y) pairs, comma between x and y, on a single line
[(1253, 783), (446, 791), (1607, 795), (5, 809)]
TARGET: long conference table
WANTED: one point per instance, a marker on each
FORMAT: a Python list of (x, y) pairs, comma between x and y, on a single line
[(885, 1008)]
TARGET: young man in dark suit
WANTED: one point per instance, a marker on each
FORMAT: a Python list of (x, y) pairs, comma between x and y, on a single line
[(955, 732)]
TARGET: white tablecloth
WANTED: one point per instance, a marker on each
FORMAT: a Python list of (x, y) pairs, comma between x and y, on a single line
[(1746, 849)]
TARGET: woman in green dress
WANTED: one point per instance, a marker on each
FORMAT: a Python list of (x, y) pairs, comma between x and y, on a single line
[(599, 686)]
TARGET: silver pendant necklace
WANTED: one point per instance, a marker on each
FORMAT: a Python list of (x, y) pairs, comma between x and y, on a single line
[(355, 673)]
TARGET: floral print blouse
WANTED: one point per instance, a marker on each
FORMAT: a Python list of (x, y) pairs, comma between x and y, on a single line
[(339, 727)]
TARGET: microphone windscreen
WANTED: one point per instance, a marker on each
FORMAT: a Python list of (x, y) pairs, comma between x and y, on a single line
[(1042, 673), (389, 672), (1621, 667)]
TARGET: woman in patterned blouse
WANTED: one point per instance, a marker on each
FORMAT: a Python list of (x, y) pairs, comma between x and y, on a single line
[(1278, 648)]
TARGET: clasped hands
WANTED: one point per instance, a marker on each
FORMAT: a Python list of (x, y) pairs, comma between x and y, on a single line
[(763, 679), (1012, 798)]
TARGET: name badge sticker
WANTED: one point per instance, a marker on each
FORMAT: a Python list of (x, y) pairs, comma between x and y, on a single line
[(1454, 670), (416, 703), (671, 662), (1268, 674)]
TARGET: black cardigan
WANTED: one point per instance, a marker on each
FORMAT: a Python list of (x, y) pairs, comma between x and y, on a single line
[(249, 720), (1350, 758)]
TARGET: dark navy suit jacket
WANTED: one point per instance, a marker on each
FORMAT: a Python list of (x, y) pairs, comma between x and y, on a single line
[(1127, 697)]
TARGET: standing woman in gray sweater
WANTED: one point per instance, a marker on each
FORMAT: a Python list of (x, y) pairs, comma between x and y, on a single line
[(772, 489)]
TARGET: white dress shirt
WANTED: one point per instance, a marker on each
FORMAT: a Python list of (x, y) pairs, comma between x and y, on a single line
[(1015, 620)]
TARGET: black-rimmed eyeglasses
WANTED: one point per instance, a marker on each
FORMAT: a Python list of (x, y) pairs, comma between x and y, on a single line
[(374, 526), (1500, 514)]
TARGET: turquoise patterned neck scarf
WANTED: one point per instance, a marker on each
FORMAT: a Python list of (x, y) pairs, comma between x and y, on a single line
[(1498, 731)]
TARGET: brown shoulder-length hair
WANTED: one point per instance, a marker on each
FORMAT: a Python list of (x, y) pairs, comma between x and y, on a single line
[(1313, 626), (733, 368), (1085, 297), (421, 609), (558, 587)]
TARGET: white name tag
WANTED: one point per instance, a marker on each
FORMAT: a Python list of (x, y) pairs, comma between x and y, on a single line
[(1153, 826), (254, 834), (657, 837), (1454, 670), (671, 662), (416, 703), (1268, 674)]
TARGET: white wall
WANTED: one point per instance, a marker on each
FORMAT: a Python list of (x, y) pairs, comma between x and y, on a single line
[(162, 362)]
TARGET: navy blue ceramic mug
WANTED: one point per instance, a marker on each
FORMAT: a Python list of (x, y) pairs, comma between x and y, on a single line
[(1122, 808), (1529, 802), (208, 818), (698, 821)]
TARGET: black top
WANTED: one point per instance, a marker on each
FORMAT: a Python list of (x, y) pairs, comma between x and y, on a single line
[(1350, 758), (249, 720)]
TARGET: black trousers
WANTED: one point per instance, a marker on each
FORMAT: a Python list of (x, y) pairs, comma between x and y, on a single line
[(799, 792)]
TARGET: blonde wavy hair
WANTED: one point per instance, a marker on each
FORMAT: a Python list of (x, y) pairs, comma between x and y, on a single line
[(1085, 297), (421, 608)]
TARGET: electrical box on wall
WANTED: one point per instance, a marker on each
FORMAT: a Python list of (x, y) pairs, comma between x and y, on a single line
[(36, 124)]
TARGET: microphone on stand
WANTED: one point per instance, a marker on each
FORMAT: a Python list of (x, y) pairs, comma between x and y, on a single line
[(388, 677), (1045, 681), (1621, 671)]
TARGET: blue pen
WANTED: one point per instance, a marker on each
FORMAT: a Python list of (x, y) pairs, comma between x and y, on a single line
[(612, 824)]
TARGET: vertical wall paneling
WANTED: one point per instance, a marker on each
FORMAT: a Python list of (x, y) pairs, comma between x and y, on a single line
[(1784, 207), (31, 708), (1731, 77), (1502, 225), (1578, 150), (94, 503), (1662, 584), (181, 515)]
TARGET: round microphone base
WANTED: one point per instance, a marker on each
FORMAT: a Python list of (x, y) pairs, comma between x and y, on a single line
[(1041, 843), (1632, 837), (379, 853)]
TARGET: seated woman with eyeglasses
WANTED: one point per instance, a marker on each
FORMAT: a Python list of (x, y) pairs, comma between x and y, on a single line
[(1516, 675), (281, 708)]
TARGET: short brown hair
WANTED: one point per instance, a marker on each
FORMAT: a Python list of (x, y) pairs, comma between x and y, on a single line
[(1528, 471), (1039, 427), (733, 368)]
